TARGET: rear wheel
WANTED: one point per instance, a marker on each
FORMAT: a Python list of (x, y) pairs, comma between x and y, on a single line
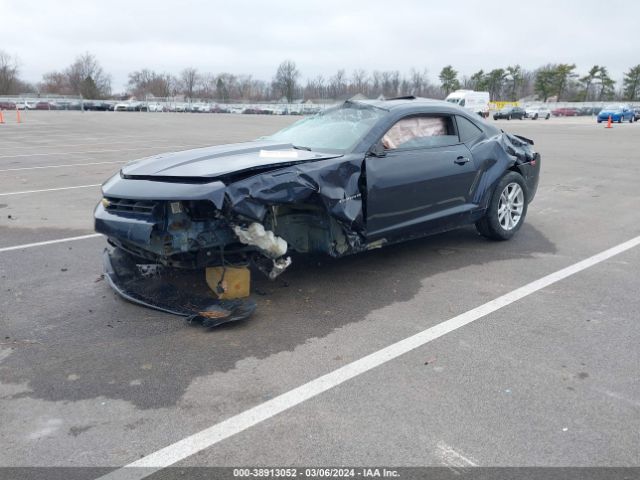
[(535, 117), (507, 209), (547, 117)]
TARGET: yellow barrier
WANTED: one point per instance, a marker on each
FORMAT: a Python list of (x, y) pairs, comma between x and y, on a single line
[(501, 105)]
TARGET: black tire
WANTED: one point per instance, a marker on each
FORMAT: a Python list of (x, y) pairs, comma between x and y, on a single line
[(620, 119), (547, 117), (535, 117), (631, 119), (489, 226), (509, 117)]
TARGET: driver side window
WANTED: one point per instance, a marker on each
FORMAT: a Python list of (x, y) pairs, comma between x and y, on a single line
[(420, 131)]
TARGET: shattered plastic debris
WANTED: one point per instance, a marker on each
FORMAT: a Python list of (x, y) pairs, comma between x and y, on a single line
[(183, 293), (279, 266)]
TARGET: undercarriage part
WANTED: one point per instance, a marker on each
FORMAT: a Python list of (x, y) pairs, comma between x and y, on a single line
[(270, 267), (180, 292)]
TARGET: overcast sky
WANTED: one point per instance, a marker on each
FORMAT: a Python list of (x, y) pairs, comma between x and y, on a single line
[(253, 37)]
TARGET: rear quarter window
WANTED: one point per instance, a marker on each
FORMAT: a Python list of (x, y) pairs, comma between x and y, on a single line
[(467, 130)]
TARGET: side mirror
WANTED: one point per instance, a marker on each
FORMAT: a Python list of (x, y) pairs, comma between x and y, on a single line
[(377, 150)]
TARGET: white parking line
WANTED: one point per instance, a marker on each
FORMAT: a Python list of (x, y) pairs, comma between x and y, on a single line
[(106, 141), (61, 166), (49, 190), (48, 242), (210, 436), (48, 154)]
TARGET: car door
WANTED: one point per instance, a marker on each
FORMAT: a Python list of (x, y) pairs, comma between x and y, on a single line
[(424, 180)]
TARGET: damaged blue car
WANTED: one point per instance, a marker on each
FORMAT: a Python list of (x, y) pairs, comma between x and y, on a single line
[(358, 176)]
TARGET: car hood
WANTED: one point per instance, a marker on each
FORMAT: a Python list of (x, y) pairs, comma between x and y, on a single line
[(221, 160)]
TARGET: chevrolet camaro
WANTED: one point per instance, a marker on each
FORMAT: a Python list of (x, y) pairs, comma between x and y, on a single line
[(355, 177)]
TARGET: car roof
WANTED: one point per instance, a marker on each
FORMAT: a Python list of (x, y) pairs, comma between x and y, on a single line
[(403, 102)]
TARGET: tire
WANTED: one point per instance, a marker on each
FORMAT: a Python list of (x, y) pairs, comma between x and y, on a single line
[(547, 117), (620, 119), (496, 227), (509, 117), (630, 119), (535, 117)]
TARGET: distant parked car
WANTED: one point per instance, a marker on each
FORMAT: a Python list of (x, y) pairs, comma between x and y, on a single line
[(45, 106), (636, 114), (565, 112), (509, 113), (5, 105), (536, 112), (618, 113), (25, 105), (156, 107), (96, 106), (121, 107)]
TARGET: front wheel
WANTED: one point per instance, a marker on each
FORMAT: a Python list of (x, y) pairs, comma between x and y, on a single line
[(620, 119), (547, 117), (507, 208)]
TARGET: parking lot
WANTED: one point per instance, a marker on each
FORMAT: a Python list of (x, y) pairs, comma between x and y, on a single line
[(547, 379)]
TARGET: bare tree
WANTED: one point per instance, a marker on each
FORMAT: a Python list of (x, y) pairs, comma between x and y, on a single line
[(337, 84), (419, 81), (147, 82), (87, 78), (286, 79), (56, 83), (8, 73), (190, 79), (359, 82)]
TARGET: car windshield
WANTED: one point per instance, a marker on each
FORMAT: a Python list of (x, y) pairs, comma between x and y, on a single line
[(612, 107), (334, 130), (453, 100)]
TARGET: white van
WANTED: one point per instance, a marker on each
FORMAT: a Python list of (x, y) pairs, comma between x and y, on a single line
[(477, 102)]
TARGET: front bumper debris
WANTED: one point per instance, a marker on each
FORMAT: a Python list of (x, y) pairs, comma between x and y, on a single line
[(180, 292)]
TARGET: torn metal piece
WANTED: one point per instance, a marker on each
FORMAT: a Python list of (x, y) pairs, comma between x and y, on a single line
[(180, 292), (265, 240)]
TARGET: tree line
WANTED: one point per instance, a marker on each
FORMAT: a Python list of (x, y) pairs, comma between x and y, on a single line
[(558, 82)]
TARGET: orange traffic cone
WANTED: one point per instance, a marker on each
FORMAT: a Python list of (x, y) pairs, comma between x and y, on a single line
[(1, 117), (609, 123), (18, 116)]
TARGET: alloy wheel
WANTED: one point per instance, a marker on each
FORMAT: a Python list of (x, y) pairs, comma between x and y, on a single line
[(510, 206)]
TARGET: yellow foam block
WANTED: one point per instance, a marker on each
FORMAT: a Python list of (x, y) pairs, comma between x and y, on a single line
[(229, 282)]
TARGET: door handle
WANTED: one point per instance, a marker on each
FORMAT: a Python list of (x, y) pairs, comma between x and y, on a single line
[(462, 160)]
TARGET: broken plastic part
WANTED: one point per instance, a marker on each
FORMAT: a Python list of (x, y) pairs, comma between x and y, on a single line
[(180, 292), (265, 240), (229, 282), (279, 266)]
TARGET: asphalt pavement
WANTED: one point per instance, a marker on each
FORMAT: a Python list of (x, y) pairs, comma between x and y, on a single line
[(87, 379)]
